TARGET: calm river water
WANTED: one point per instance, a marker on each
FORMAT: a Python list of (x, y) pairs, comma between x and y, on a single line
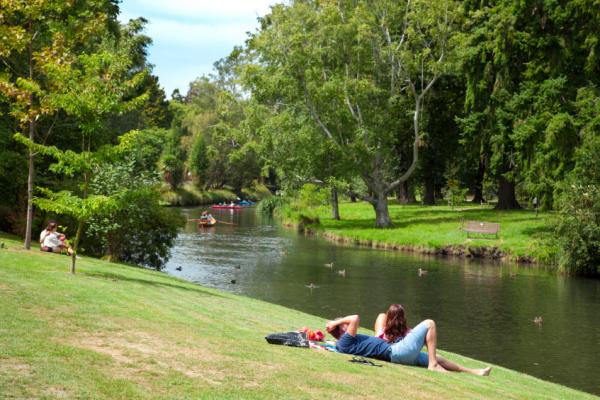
[(483, 310)]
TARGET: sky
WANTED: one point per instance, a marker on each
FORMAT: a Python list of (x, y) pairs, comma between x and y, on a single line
[(190, 35)]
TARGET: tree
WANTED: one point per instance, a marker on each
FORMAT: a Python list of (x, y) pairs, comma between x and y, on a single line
[(215, 132), (345, 65), (578, 228), (87, 87), (524, 62), (33, 36), (441, 136), (138, 230)]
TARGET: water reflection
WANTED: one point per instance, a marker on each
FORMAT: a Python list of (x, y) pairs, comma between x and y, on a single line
[(483, 310)]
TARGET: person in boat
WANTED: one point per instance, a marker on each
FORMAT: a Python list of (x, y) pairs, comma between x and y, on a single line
[(404, 350), (211, 220), (204, 216), (54, 242)]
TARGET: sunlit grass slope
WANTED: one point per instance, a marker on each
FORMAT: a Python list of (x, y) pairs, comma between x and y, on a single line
[(119, 332), (522, 234)]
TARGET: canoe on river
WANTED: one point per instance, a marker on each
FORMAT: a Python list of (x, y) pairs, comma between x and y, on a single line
[(207, 222), (228, 207)]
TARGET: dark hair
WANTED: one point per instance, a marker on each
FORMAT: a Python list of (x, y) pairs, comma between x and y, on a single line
[(395, 324), (336, 332), (51, 225)]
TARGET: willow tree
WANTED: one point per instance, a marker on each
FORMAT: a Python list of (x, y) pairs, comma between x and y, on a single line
[(346, 64)]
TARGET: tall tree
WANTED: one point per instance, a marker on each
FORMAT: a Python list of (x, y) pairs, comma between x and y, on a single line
[(524, 62), (346, 64), (88, 87), (33, 36)]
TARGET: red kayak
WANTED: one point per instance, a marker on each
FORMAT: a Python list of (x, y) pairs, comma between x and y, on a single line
[(219, 207)]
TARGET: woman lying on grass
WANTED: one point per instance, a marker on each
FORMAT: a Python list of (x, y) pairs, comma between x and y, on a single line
[(403, 350)]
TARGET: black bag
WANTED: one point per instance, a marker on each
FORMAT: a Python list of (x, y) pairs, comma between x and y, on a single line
[(296, 339)]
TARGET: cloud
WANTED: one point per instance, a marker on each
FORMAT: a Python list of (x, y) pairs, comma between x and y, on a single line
[(203, 9), (171, 32), (190, 35)]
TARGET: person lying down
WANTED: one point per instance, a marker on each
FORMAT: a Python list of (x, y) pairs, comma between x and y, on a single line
[(404, 348)]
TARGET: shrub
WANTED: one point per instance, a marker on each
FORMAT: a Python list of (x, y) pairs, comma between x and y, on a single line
[(454, 194), (268, 205), (138, 230)]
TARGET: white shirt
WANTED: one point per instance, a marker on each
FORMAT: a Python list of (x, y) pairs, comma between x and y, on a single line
[(43, 235), (51, 240)]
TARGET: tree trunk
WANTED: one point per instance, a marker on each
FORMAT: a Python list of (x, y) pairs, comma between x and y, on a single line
[(404, 193), (478, 186), (429, 195), (76, 245), (382, 215), (86, 182), (335, 210), (29, 220), (507, 199)]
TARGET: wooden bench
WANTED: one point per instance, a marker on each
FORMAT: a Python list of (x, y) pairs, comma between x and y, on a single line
[(481, 227)]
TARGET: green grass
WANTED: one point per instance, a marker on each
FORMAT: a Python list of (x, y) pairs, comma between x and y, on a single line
[(427, 228), (118, 332)]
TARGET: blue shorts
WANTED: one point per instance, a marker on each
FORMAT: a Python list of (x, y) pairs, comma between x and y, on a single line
[(408, 350)]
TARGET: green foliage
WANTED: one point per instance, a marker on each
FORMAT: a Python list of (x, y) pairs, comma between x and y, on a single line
[(311, 195), (172, 170), (268, 205), (188, 195), (199, 161), (256, 191), (524, 63), (218, 130), (578, 229), (350, 74), (138, 230), (81, 209), (454, 194), (172, 162)]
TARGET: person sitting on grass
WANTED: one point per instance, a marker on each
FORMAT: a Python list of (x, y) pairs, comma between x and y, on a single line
[(54, 242), (405, 351)]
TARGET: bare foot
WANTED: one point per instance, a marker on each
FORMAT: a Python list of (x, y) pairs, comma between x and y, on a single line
[(484, 371), (436, 367)]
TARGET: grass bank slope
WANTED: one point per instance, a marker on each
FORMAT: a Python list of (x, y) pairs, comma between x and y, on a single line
[(522, 236), (118, 332)]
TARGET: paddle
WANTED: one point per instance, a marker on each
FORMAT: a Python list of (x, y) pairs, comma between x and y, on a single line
[(219, 222)]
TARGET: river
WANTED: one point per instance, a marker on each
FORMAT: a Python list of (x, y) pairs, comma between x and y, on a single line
[(483, 310)]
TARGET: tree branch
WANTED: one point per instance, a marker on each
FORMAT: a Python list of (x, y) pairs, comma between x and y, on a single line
[(315, 116)]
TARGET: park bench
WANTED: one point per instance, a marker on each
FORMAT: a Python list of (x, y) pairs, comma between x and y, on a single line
[(481, 227)]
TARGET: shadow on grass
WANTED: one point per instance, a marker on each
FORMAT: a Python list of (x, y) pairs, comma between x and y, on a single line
[(117, 277)]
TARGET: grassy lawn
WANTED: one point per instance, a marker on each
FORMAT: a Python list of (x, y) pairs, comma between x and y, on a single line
[(522, 234), (119, 332)]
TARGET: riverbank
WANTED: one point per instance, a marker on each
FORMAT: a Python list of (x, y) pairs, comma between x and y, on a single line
[(523, 236), (114, 331), (188, 195)]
